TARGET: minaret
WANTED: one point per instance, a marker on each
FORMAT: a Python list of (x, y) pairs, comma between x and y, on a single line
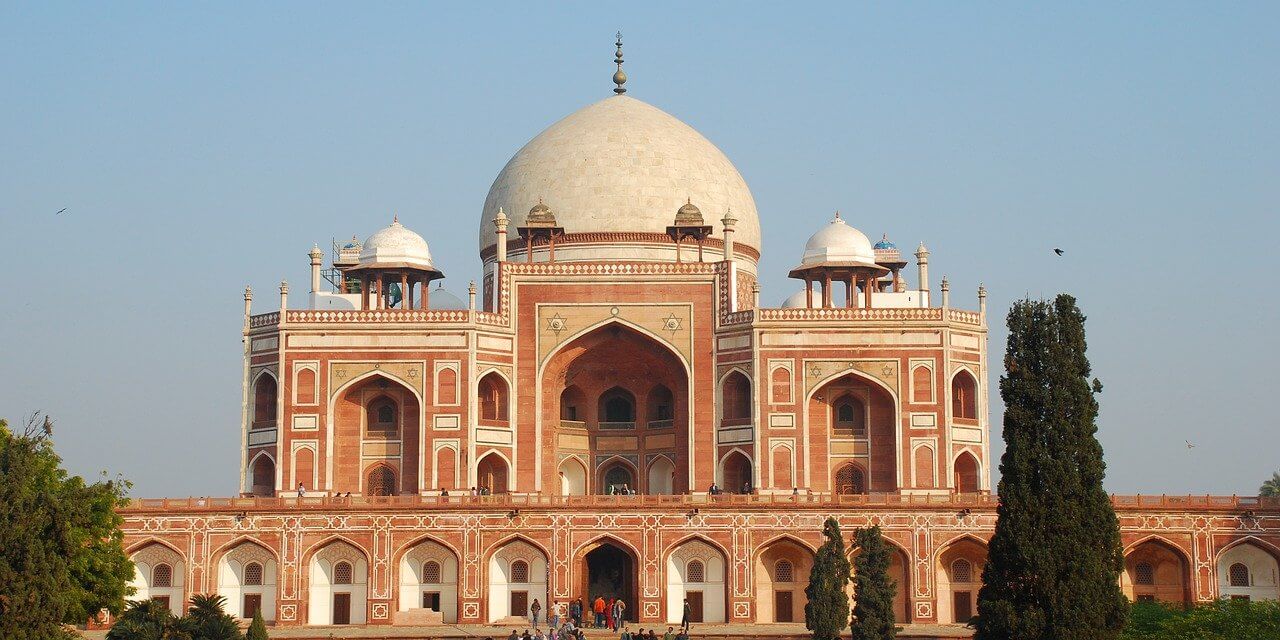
[(284, 298), (982, 302), (922, 263), (317, 258), (619, 76), (501, 221), (471, 295), (755, 295), (946, 293), (728, 221), (248, 303)]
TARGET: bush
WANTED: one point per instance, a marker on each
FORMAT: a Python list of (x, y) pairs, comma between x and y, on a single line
[(1220, 620), (257, 630)]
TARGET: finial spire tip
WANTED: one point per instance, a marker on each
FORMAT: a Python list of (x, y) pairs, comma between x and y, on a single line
[(619, 76)]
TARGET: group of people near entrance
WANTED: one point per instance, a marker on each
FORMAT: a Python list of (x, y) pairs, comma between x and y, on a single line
[(567, 622), (747, 489)]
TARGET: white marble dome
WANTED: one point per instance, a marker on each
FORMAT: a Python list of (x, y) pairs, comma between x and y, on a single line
[(799, 300), (838, 243), (395, 246), (620, 165)]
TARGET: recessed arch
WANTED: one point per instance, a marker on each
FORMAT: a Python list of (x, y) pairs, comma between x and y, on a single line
[(266, 399), (967, 470), (609, 474), (493, 390), (661, 476), (422, 588), (734, 470), (1157, 570), (505, 596), (493, 472), (247, 591), (160, 571), (964, 394), (780, 597), (958, 566), (609, 566), (261, 476), (705, 592), (736, 397), (338, 581), (675, 351), (883, 467), (573, 477)]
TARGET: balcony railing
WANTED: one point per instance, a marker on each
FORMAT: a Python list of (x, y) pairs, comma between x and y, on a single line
[(617, 426), (1271, 505), (661, 424)]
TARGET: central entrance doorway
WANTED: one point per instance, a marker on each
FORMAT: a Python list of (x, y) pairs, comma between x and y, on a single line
[(609, 571)]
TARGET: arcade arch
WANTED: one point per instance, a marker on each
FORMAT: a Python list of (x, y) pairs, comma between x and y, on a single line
[(339, 584), (262, 475), (429, 580), (517, 577), (493, 473), (964, 396), (662, 474), (696, 572), (851, 407), (159, 573), (959, 577), (1156, 571), (608, 567), (573, 477), (1248, 572), (384, 412), (247, 576), (967, 473), (781, 573)]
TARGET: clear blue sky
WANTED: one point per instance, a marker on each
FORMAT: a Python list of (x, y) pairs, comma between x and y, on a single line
[(203, 147)]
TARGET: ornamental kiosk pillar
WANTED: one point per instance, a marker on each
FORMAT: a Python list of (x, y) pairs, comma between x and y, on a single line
[(689, 224), (540, 224), (393, 254), (838, 253)]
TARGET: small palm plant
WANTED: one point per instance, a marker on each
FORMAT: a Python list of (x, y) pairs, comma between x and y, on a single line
[(207, 619), (148, 620), (1271, 488)]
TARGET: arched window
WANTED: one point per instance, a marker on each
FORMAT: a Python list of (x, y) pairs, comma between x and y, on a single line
[(491, 472), (617, 405), (253, 574), (431, 572), (305, 386), (618, 476), (783, 571), (342, 573), (447, 386), (922, 384), (695, 571), (264, 476), (964, 396), (1144, 574), (736, 397), (493, 397), (519, 571), (571, 403), (264, 401), (382, 414), (961, 571), (850, 480), (780, 383), (850, 415), (382, 482), (1238, 574), (162, 576), (660, 403)]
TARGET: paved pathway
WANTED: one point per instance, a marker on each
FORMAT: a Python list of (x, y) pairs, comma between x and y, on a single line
[(700, 632)]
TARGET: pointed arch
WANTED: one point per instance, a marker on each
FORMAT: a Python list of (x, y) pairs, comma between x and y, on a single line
[(734, 470), (967, 472), (1157, 570), (678, 565), (494, 393), (493, 472), (964, 394), (675, 351), (660, 479), (573, 476), (381, 480), (780, 596), (608, 475), (419, 587), (736, 400), (958, 566), (266, 397), (247, 574), (262, 474)]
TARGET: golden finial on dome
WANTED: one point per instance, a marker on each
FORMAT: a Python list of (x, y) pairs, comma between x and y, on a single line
[(619, 76)]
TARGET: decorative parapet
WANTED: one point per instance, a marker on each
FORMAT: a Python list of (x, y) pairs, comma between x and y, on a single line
[(835, 313), (264, 319), (378, 316)]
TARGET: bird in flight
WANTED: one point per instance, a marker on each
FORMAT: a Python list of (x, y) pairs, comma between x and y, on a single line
[(61, 210), (1189, 445), (1058, 251)]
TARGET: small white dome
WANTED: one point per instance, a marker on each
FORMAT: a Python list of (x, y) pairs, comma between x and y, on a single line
[(396, 246), (444, 299), (797, 300), (838, 242)]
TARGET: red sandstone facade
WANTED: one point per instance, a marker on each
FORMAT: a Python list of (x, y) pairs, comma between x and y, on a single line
[(600, 361)]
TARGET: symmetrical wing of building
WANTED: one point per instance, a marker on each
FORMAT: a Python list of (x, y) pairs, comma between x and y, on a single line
[(612, 412)]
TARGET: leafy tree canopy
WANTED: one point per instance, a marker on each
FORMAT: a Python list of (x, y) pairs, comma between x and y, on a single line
[(61, 548), (1220, 620), (1271, 487)]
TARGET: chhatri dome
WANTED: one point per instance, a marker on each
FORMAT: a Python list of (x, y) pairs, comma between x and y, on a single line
[(395, 246), (620, 167), (838, 243)]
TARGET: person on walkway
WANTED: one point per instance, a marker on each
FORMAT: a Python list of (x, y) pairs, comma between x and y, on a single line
[(534, 610), (302, 491), (575, 612), (514, 635), (670, 634), (608, 615), (553, 617), (598, 608), (626, 634), (684, 620), (620, 614)]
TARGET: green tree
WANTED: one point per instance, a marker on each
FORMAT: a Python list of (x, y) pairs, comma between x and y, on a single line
[(1218, 620), (1053, 567), (258, 629), (207, 619), (61, 554), (1271, 487), (827, 611), (873, 589), (148, 620)]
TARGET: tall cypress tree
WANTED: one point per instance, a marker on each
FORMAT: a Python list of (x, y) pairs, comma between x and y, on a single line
[(1054, 563), (827, 612), (873, 588)]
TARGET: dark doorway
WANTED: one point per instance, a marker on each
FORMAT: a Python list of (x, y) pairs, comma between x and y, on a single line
[(610, 573), (616, 479), (963, 606), (782, 607), (431, 600), (342, 608)]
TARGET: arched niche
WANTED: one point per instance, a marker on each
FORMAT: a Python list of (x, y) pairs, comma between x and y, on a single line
[(429, 580), (696, 572)]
